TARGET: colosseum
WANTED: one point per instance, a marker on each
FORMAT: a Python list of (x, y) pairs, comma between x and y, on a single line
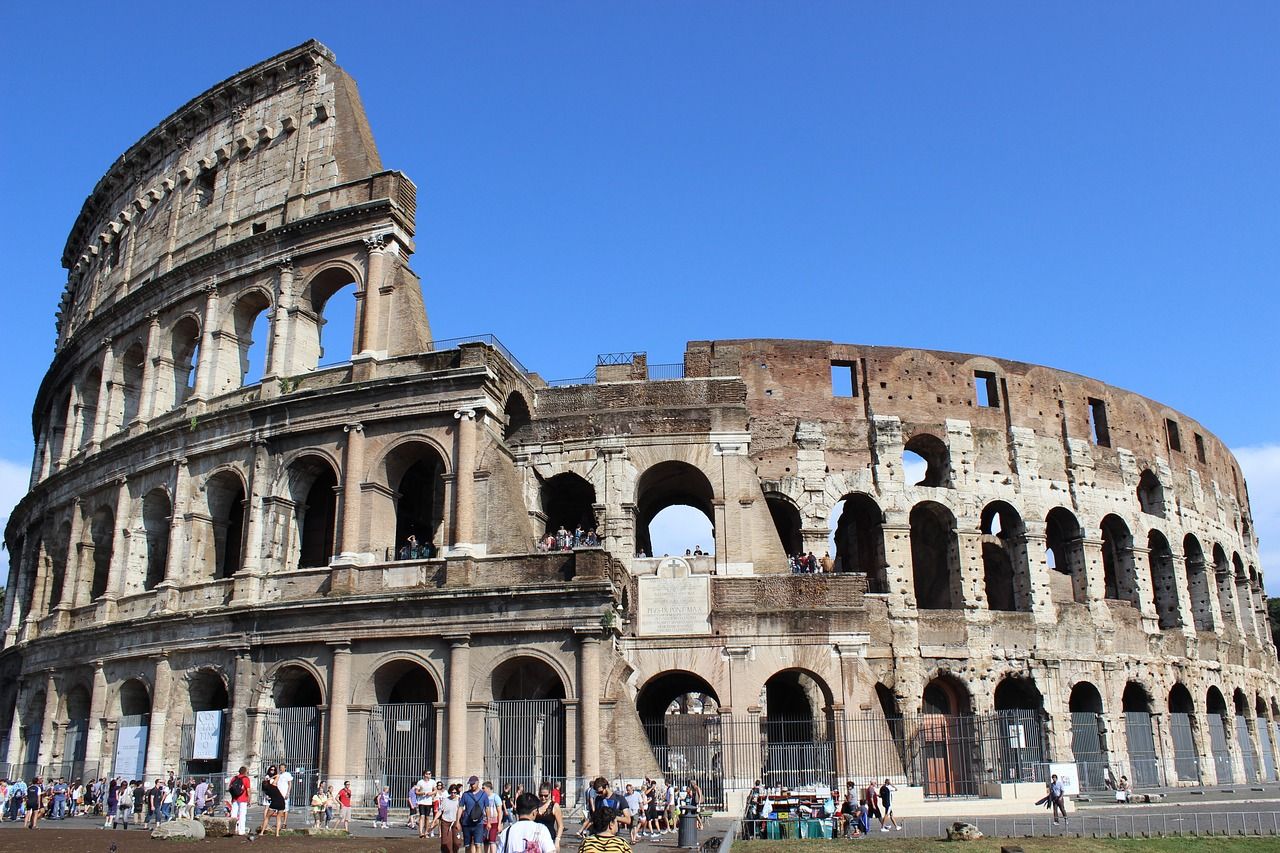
[(213, 565)]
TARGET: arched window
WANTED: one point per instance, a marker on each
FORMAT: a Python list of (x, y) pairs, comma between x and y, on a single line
[(1182, 724), (1004, 558), (313, 488), (59, 429), (89, 388), (929, 451), (568, 501), (184, 355), (1164, 582), (1198, 584), (325, 332), (1119, 577), (1150, 494), (102, 534), (226, 495), (935, 558), (252, 324), (1065, 555), (402, 726), (857, 533), (519, 423), (947, 739), (58, 552), (132, 371), (157, 513), (673, 484), (786, 520), (1244, 596)]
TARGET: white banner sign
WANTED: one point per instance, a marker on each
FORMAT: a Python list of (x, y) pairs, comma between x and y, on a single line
[(1068, 778), (207, 743), (131, 752)]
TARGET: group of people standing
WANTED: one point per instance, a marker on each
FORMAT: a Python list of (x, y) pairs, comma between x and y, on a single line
[(850, 814), (563, 540), (121, 802)]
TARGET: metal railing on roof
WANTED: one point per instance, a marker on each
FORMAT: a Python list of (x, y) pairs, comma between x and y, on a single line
[(491, 340)]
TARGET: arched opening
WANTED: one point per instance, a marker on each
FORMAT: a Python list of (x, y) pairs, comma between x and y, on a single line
[(1264, 727), (673, 484), (1164, 583), (132, 373), (184, 354), (1217, 717), (1226, 589), (402, 725), (568, 501), (1087, 745), (75, 737), (858, 538), (207, 693), (102, 533), (1064, 554), (1144, 761), (32, 731), (1198, 585), (157, 514), (89, 387), (798, 731), (59, 430), (930, 453), (949, 742), (291, 731), (1119, 576), (251, 320), (226, 496), (935, 558), (518, 424), (1020, 714), (525, 723), (313, 488), (419, 501), (1244, 736), (59, 549), (786, 520), (326, 333), (1006, 573), (680, 714), (1150, 494), (133, 727), (1182, 723)]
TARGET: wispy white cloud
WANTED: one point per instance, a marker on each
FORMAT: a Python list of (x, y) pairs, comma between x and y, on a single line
[(1261, 467), (14, 479)]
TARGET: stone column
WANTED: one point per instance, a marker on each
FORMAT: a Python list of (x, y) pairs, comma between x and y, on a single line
[(120, 540), (371, 342), (241, 699), (47, 728), (163, 677), (79, 571), (150, 369), (14, 756), (589, 701), (352, 468), (278, 363), (248, 581), (464, 485), (1034, 544), (339, 697), (102, 417), (1146, 592), (70, 429), (97, 707), (208, 339), (456, 713)]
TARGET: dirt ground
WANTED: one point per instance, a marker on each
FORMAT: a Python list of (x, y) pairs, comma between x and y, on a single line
[(56, 839)]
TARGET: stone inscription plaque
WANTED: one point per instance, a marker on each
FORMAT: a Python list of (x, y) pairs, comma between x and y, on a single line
[(674, 603)]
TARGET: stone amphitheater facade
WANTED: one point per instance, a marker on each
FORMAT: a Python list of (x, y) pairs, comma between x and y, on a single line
[(1077, 560)]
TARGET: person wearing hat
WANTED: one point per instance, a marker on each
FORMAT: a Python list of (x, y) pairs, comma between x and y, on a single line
[(471, 816)]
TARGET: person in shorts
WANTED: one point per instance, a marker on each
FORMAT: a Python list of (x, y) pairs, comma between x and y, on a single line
[(886, 805), (344, 806), (472, 807), (420, 799)]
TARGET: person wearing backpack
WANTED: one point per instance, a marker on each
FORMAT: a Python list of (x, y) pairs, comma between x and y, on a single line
[(471, 816), (238, 787), (526, 835)]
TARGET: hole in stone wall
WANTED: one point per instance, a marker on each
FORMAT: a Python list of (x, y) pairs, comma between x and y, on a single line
[(1098, 423), (984, 383)]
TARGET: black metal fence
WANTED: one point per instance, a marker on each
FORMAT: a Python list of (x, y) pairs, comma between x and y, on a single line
[(291, 736), (525, 742)]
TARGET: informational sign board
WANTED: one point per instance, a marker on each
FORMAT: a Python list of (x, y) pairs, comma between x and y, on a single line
[(1068, 777), (131, 752), (404, 725), (207, 744), (674, 602)]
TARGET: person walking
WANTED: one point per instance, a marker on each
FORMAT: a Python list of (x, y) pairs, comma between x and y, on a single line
[(548, 813), (35, 806), (238, 787), (448, 820), (344, 805), (886, 805), (472, 807), (420, 803), (384, 809), (124, 808), (1057, 799)]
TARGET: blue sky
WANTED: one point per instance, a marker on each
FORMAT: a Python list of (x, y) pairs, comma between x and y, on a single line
[(1093, 186)]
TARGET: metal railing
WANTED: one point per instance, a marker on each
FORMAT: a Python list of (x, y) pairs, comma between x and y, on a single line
[(491, 340)]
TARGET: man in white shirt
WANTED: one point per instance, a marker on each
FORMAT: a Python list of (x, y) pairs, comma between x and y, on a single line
[(521, 835), (422, 792), (284, 781)]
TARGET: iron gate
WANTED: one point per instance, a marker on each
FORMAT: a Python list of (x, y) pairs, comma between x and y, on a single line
[(1221, 752), (203, 767), (1186, 763), (401, 745), (1086, 748), (1143, 758), (291, 736), (691, 747), (524, 742), (1268, 757), (74, 745), (794, 753), (1247, 755)]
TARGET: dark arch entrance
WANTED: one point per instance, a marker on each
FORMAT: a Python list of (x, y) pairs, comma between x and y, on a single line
[(1023, 750), (420, 505), (786, 520), (402, 726), (292, 728), (1119, 577), (1244, 736), (75, 738), (226, 494), (1216, 714), (1065, 555), (668, 484), (680, 714), (207, 693), (1087, 745), (859, 540), (1182, 725), (1006, 575), (568, 501), (132, 730), (525, 724), (935, 561), (1144, 760), (1163, 580), (798, 730), (313, 487), (948, 739)]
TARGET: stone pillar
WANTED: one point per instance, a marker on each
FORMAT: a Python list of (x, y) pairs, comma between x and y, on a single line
[(352, 466), (339, 698), (150, 369), (1182, 596), (163, 677), (1146, 592), (102, 417), (208, 339), (70, 429), (464, 484), (1034, 544), (278, 361), (589, 701), (97, 708), (248, 581), (46, 722), (14, 756), (371, 342), (456, 713), (79, 570), (120, 540), (241, 699)]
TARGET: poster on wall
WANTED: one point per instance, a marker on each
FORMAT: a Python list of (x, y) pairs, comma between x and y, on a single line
[(1068, 777), (131, 752), (207, 742)]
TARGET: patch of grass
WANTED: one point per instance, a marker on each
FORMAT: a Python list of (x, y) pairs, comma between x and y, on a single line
[(1184, 844)]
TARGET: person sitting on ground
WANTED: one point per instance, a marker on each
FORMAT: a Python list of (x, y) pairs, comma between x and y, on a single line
[(526, 835)]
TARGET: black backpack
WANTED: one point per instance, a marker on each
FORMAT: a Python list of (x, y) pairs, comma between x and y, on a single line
[(236, 788)]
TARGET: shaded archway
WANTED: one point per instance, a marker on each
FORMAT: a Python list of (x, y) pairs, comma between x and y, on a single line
[(1164, 581), (1006, 574), (102, 535), (1182, 728), (1150, 494), (58, 551), (518, 422), (933, 453), (1119, 575), (1088, 746), (798, 730), (858, 532), (87, 393), (1144, 760), (948, 742), (1064, 553), (132, 729), (75, 737), (680, 714), (1217, 716), (525, 723), (1226, 589), (132, 373), (225, 494), (251, 322), (209, 701), (1264, 725), (326, 332), (668, 484), (786, 521), (420, 499), (402, 725), (1020, 714), (1199, 587), (313, 489), (184, 358), (291, 732), (935, 558), (568, 501), (157, 515), (1244, 735)]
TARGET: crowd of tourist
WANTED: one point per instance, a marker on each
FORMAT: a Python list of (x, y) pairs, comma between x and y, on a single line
[(849, 814), (563, 540), (807, 564), (120, 802)]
